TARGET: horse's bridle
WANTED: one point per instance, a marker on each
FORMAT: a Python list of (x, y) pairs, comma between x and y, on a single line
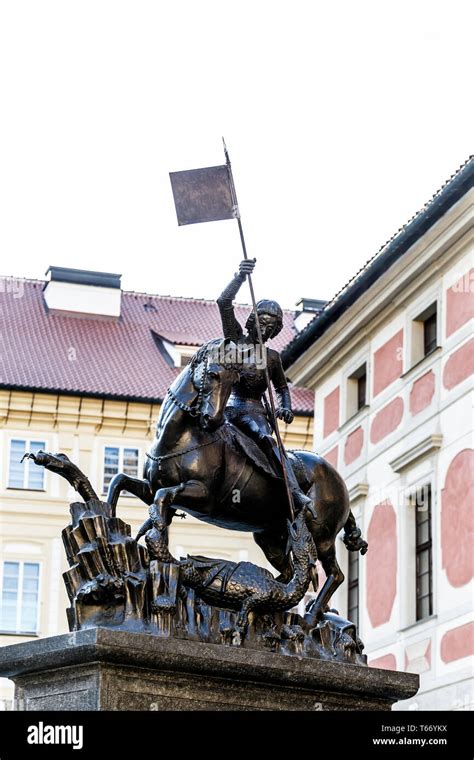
[(196, 408), (194, 412)]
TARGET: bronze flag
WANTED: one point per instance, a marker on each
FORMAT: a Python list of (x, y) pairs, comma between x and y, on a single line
[(202, 195)]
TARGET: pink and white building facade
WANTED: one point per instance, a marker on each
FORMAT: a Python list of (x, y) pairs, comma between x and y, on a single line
[(391, 362)]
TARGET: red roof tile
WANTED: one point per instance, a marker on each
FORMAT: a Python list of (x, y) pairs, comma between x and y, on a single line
[(102, 357)]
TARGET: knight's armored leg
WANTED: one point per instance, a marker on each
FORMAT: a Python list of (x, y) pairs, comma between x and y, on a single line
[(258, 428), (299, 497)]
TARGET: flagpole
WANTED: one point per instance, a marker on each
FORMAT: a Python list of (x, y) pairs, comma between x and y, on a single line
[(270, 406)]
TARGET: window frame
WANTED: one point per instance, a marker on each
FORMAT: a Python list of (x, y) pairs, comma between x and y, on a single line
[(26, 465), (353, 583), (407, 549), (363, 376), (420, 311), (350, 390), (121, 447), (426, 348), (421, 547), (22, 563)]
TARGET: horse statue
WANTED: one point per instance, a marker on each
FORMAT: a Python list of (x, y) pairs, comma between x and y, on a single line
[(203, 465)]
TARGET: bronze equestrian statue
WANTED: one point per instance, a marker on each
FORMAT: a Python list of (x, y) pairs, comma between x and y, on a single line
[(214, 461)]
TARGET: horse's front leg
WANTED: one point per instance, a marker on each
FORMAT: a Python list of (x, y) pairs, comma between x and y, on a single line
[(136, 486), (161, 514)]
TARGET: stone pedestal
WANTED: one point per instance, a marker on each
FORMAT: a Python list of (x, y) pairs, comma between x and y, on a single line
[(107, 669)]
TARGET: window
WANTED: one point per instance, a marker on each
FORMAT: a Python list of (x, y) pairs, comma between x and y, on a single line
[(353, 589), (424, 337), (356, 391), (424, 559), (119, 459), (174, 354), (27, 475), (19, 597), (185, 360), (361, 390), (429, 334), (184, 355)]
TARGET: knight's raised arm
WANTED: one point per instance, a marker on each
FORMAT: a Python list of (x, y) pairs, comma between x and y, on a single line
[(231, 327)]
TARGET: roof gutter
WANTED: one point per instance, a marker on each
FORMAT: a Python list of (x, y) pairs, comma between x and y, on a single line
[(83, 394), (106, 396)]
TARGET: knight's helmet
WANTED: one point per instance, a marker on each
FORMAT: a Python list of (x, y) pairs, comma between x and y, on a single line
[(267, 307)]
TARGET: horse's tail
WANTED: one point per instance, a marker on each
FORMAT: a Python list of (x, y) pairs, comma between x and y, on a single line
[(353, 536)]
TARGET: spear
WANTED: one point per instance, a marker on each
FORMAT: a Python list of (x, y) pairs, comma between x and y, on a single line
[(206, 195), (270, 406)]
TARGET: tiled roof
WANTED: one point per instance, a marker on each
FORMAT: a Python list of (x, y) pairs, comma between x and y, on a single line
[(106, 358)]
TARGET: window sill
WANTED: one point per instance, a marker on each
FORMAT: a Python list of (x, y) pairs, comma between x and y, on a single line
[(19, 633), (350, 420), (123, 495), (17, 488), (417, 623), (420, 361)]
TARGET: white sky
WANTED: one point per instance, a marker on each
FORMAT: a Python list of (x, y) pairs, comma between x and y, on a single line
[(342, 119)]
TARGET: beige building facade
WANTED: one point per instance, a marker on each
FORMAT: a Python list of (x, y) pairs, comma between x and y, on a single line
[(103, 436)]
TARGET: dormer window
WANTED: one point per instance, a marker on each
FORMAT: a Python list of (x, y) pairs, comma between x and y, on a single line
[(184, 354), (175, 354)]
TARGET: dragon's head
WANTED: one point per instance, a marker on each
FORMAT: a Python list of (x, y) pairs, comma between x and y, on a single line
[(300, 540), (53, 462)]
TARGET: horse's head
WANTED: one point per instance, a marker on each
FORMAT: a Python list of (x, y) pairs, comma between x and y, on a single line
[(215, 373)]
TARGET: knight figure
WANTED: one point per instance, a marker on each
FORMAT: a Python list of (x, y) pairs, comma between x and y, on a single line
[(246, 407)]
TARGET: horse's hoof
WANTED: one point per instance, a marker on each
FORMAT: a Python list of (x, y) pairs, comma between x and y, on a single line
[(355, 543), (226, 630), (237, 637), (292, 633), (314, 614), (271, 639), (240, 629)]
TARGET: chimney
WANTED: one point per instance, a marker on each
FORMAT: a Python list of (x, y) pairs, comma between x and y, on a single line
[(80, 292), (306, 310)]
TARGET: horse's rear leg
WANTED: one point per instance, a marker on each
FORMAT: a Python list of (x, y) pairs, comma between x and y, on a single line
[(334, 578)]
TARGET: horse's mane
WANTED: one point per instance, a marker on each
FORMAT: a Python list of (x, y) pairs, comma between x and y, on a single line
[(187, 372), (203, 352), (220, 356)]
